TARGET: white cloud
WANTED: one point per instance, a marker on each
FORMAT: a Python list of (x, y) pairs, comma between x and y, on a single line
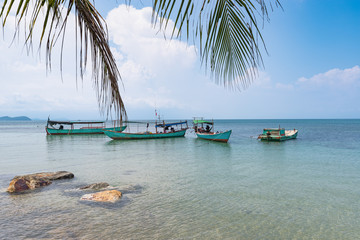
[(347, 78), (130, 29), (152, 67)]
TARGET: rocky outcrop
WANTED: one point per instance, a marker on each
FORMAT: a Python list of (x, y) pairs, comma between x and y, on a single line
[(36, 180), (104, 196), (95, 186)]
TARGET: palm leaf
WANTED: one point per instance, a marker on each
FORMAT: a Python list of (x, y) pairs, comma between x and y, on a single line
[(226, 32), (93, 35)]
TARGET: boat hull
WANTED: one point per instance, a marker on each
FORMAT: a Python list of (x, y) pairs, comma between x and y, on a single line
[(52, 131), (125, 136), (217, 137)]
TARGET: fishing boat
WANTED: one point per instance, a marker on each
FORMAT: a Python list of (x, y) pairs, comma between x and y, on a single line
[(277, 134), (208, 132), (162, 130), (79, 127)]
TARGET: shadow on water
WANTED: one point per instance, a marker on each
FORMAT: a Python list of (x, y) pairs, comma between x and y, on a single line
[(124, 201), (200, 142), (75, 191), (210, 151), (145, 146), (145, 141), (72, 141), (279, 144), (73, 138)]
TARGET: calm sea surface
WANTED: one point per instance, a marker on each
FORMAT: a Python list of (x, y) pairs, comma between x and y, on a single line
[(187, 188)]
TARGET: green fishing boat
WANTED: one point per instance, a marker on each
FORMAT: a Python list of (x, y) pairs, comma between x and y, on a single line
[(208, 132), (79, 127), (169, 130), (277, 134)]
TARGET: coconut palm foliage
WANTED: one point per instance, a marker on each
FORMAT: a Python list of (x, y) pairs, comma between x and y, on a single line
[(91, 33), (227, 32)]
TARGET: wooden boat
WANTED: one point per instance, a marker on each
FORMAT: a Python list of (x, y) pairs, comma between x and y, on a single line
[(208, 133), (168, 132), (277, 134), (78, 127)]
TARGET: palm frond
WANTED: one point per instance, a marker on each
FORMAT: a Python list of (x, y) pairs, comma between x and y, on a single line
[(93, 35), (226, 31)]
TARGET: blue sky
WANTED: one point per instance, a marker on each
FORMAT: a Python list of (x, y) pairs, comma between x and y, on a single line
[(312, 70)]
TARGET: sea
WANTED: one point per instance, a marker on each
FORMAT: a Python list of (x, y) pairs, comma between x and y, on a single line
[(187, 188)]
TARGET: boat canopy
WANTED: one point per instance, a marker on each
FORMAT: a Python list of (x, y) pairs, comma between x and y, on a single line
[(138, 122), (203, 121), (273, 129), (170, 124), (72, 122)]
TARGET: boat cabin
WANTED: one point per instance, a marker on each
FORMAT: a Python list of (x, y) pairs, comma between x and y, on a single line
[(171, 127), (71, 124), (203, 126), (274, 131)]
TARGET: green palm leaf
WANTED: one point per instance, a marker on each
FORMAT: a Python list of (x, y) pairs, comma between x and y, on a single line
[(227, 33)]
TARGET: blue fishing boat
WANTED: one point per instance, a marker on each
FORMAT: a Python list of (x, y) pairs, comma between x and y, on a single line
[(208, 133), (79, 127), (168, 130)]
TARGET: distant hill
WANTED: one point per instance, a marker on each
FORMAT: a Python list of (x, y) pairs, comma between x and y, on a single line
[(20, 118)]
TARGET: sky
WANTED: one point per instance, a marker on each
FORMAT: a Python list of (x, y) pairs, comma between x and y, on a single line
[(311, 69)]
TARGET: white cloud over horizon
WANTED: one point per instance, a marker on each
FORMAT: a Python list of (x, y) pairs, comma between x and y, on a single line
[(349, 78)]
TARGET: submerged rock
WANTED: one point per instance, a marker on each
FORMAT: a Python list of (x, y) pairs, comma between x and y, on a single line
[(104, 196), (36, 180), (52, 175), (95, 186)]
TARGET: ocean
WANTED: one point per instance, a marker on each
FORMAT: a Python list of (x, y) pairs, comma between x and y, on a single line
[(187, 188)]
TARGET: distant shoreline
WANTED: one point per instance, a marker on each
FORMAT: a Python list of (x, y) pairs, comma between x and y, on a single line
[(19, 118)]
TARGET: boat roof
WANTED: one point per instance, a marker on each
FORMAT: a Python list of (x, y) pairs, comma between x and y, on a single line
[(170, 124), (202, 121), (273, 129), (51, 122)]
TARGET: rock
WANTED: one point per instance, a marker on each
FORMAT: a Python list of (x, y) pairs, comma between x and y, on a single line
[(95, 186), (36, 180), (52, 175), (104, 196), (21, 184), (60, 175)]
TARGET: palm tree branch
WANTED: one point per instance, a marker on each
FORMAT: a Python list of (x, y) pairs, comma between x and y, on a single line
[(230, 39)]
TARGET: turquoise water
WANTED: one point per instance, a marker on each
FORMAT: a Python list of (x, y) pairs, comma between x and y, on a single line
[(187, 188)]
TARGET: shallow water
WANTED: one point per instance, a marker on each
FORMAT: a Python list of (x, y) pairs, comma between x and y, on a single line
[(188, 188)]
